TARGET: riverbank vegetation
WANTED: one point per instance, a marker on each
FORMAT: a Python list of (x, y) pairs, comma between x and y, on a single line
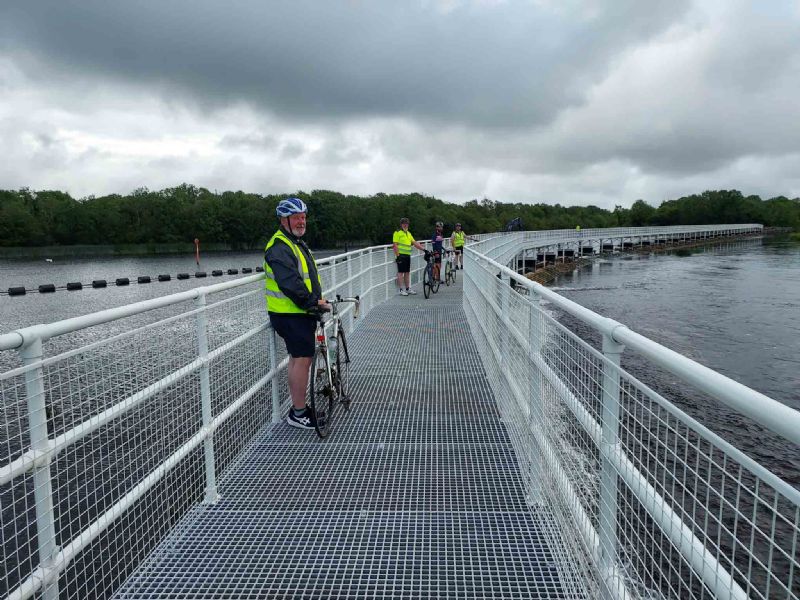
[(242, 220)]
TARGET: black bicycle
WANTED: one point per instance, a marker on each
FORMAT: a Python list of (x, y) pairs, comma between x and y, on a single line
[(429, 282), (328, 379)]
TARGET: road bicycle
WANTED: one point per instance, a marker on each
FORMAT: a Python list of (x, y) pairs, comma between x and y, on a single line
[(429, 282), (450, 268), (328, 379)]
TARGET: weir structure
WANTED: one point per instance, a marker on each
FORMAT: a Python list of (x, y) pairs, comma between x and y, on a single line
[(490, 452)]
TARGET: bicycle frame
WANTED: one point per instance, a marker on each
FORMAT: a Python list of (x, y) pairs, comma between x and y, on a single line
[(335, 321)]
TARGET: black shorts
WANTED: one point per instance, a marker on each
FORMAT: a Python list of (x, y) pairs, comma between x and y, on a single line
[(404, 263), (457, 250), (297, 331)]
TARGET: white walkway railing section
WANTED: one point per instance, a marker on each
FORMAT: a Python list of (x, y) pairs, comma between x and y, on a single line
[(104, 448), (663, 507)]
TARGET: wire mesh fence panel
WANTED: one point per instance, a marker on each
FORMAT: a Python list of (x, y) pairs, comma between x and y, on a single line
[(684, 514)]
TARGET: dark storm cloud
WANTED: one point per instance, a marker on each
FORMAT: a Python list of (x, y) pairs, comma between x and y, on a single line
[(483, 64)]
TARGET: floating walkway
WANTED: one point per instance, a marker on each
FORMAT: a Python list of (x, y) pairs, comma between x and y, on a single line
[(417, 493)]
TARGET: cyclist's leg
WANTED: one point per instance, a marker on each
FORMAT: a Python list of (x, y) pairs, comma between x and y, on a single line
[(298, 377)]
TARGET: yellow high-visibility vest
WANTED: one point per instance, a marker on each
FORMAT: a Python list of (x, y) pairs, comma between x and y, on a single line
[(403, 239), (458, 239), (277, 301)]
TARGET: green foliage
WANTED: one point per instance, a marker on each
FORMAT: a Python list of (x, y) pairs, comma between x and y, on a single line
[(242, 220)]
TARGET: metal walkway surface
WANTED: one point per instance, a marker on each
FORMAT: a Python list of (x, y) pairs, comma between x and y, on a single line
[(417, 493)]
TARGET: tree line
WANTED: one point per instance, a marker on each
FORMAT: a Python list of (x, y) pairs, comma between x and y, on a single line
[(245, 220)]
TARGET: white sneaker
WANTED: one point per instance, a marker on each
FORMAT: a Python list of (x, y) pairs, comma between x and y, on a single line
[(411, 292), (404, 293)]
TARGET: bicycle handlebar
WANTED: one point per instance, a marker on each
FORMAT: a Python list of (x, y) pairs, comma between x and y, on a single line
[(354, 300)]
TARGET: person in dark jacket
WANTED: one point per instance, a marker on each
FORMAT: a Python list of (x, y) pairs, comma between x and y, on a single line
[(294, 299)]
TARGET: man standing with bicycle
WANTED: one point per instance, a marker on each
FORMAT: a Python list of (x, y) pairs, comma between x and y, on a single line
[(401, 244), (294, 298)]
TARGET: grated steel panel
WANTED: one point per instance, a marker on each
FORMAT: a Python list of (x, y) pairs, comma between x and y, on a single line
[(417, 493)]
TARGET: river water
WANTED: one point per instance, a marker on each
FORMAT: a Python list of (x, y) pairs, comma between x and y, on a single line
[(733, 307)]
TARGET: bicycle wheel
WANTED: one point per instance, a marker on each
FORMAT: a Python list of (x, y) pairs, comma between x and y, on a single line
[(454, 271), (320, 393), (426, 281), (448, 273), (342, 370)]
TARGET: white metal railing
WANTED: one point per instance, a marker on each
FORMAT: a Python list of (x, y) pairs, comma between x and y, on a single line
[(108, 445), (664, 506), (104, 448)]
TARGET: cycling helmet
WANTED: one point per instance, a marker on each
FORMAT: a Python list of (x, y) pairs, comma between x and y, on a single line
[(458, 224), (404, 220), (290, 206), (439, 224)]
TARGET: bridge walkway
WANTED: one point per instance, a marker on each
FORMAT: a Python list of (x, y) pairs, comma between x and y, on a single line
[(417, 492)]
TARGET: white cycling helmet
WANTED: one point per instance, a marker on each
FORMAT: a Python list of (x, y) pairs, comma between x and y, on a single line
[(290, 206)]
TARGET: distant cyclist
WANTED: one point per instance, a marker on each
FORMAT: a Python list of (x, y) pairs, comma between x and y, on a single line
[(436, 241), (294, 297), (402, 241), (457, 241)]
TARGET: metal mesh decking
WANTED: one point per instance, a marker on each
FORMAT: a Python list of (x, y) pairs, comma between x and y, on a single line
[(417, 493)]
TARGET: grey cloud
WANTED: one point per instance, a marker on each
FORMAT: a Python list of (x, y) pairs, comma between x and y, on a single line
[(505, 64), (251, 140)]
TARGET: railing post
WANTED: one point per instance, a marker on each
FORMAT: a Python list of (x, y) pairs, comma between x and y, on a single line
[(273, 366), (612, 351), (348, 290), (333, 278), (535, 412), (42, 480), (205, 398)]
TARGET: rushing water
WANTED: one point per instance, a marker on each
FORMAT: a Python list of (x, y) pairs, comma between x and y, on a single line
[(733, 307)]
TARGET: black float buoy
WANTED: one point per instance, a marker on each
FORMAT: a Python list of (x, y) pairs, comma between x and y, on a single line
[(122, 281), (164, 277), (143, 279), (200, 274), (183, 276), (233, 271), (216, 273), (47, 288), (247, 270), (74, 285), (16, 291), (99, 283), (259, 269)]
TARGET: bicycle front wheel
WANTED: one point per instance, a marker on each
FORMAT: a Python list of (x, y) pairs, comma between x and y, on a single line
[(343, 370), (426, 282), (321, 393)]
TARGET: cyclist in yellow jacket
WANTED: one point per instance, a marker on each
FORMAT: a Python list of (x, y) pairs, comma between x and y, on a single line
[(457, 241), (402, 241), (294, 299)]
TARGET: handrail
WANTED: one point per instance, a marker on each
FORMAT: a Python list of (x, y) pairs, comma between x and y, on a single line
[(638, 452), (761, 408), (21, 337)]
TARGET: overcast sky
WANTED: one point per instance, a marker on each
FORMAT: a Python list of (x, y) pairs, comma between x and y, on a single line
[(577, 102)]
